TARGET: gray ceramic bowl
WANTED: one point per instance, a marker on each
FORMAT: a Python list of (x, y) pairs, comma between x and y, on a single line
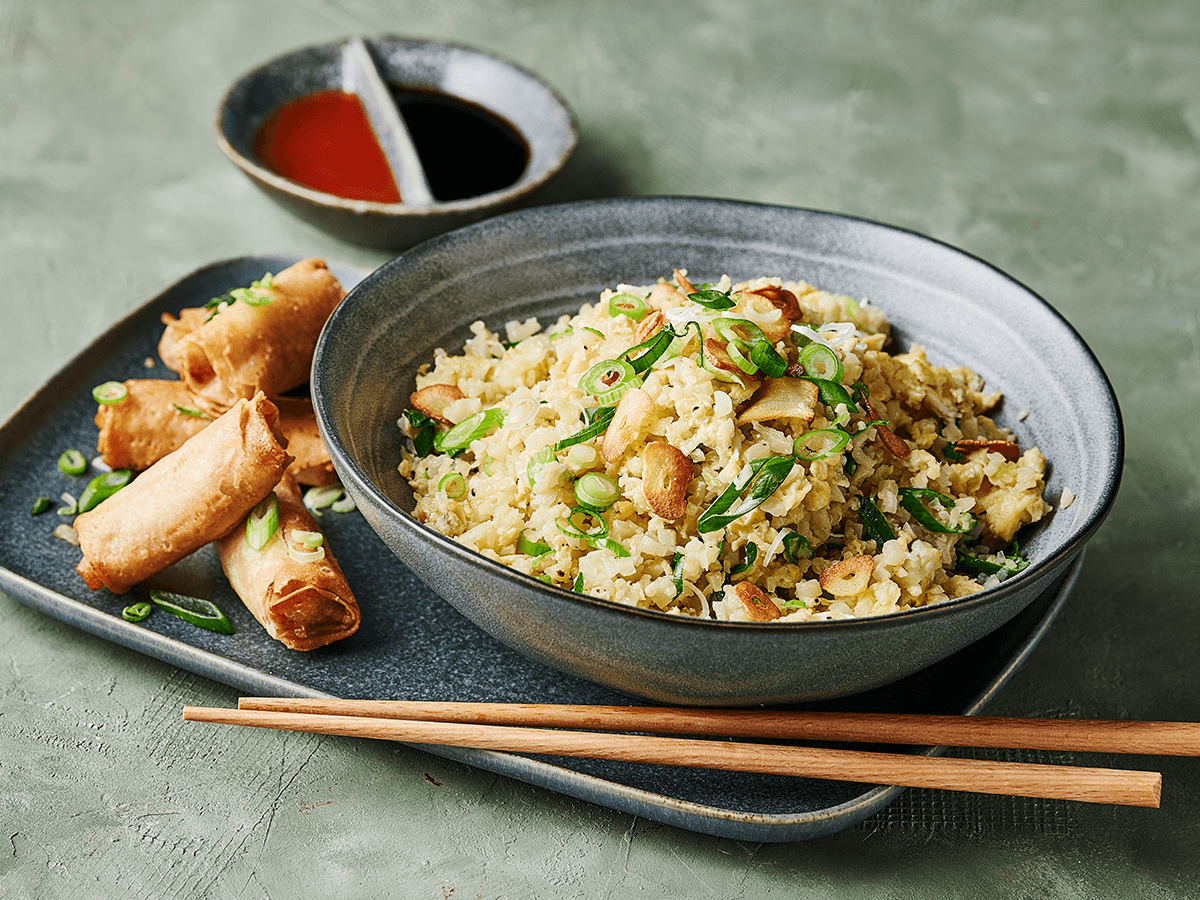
[(547, 261), (368, 67)]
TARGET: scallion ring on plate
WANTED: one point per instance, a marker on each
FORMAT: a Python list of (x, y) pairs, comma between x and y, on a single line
[(796, 547), (102, 487), (110, 392), (603, 380), (821, 362), (472, 428), (738, 331), (595, 490), (453, 485), (768, 360), (195, 610), (305, 546), (72, 462), (576, 524), (262, 522), (530, 547), (629, 305), (819, 443), (322, 497), (136, 612)]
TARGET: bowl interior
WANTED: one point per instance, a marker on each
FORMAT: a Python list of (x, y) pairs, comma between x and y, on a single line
[(509, 92)]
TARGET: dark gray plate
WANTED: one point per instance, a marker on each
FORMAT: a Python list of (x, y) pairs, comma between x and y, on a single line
[(412, 644)]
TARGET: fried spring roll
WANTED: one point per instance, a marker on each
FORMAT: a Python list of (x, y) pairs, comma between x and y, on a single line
[(263, 345), (157, 416), (192, 496), (304, 605), (176, 330)]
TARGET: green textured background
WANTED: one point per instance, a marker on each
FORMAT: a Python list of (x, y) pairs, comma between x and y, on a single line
[(1057, 140)]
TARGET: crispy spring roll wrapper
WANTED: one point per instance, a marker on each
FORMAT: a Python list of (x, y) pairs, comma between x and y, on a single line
[(192, 496), (150, 423), (176, 330), (268, 348), (304, 605)]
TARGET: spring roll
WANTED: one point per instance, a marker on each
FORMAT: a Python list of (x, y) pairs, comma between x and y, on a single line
[(191, 496), (262, 341), (304, 605), (176, 330), (157, 416)]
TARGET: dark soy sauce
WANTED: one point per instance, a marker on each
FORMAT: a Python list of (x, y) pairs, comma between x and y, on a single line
[(466, 151)]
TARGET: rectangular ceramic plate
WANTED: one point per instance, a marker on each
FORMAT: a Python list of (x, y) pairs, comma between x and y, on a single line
[(413, 645)]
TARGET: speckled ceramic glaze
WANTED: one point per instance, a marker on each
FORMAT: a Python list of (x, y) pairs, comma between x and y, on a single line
[(547, 261), (534, 110)]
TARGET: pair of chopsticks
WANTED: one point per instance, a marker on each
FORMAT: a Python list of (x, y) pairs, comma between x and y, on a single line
[(543, 729)]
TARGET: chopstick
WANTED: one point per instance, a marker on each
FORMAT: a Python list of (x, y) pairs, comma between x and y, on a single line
[(1093, 785), (1094, 736)]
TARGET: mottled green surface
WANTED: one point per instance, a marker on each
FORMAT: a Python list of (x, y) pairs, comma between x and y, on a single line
[(1060, 141)]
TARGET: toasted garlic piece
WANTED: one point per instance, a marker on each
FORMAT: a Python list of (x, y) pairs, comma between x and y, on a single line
[(848, 577), (666, 474), (684, 284), (434, 399), (649, 326), (780, 298), (1008, 449), (779, 398), (632, 415), (758, 605)]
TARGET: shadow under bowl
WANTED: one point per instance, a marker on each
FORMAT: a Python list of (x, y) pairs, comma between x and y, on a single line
[(457, 75), (547, 261)]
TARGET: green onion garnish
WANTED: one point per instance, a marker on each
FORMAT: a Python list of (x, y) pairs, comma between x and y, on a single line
[(41, 504), (530, 547), (454, 485), (832, 395), (913, 500), (536, 461), (577, 585), (597, 424), (72, 462), (322, 497), (608, 380), (768, 360), (423, 429), (344, 505), (677, 571), (875, 526), (796, 546), (750, 554), (627, 305), (738, 331), (137, 612), (110, 392), (194, 610), (262, 522), (819, 443), (753, 485), (70, 505), (472, 428), (102, 487), (190, 411), (712, 299), (595, 490), (821, 362), (1000, 564), (568, 526), (952, 454)]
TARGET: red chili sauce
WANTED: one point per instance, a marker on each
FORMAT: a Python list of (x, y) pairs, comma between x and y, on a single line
[(324, 141)]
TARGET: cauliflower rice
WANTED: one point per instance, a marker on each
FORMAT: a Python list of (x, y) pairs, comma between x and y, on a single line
[(775, 463)]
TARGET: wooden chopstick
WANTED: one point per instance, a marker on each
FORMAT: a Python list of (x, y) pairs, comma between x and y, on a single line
[(1094, 736), (1092, 785)]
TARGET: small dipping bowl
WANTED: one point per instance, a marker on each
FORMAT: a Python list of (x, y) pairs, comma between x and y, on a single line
[(414, 94)]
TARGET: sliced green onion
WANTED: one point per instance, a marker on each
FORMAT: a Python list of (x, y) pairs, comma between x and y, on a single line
[(730, 329), (831, 393), (472, 428), (72, 462), (322, 497), (753, 485), (871, 424), (768, 360), (110, 392), (819, 443), (262, 522), (628, 305), (821, 362), (606, 543), (875, 525), (596, 426), (345, 505), (677, 571), (913, 500), (190, 411), (740, 361), (531, 547), (577, 585), (102, 487), (137, 612), (583, 456), (607, 377), (952, 454), (711, 299), (1000, 564), (41, 504), (198, 612), (595, 490), (423, 430), (70, 505), (750, 554), (796, 546), (644, 355), (862, 395), (539, 459), (569, 527), (251, 297), (595, 331), (454, 485), (305, 546)]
